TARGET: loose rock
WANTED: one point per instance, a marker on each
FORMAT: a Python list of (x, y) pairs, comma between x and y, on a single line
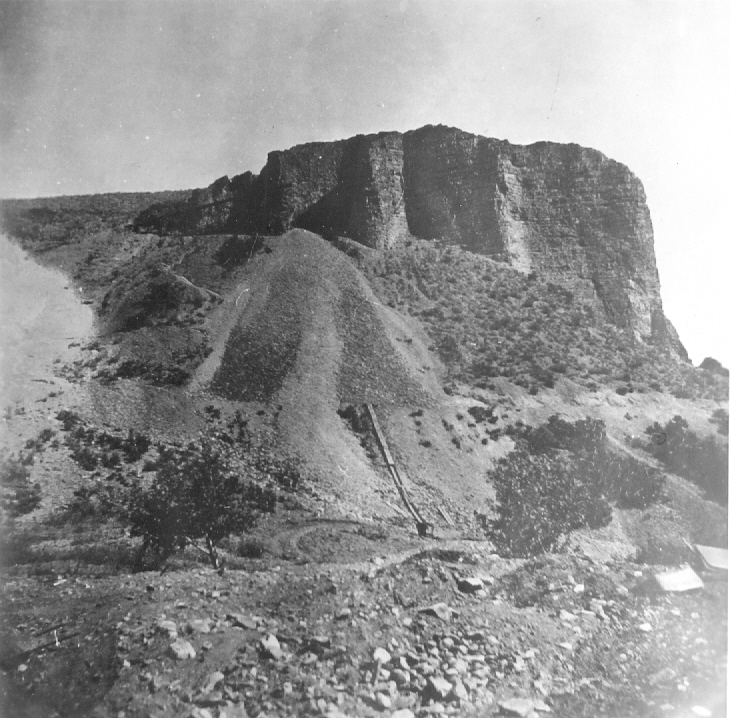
[(382, 656), (403, 713), (516, 707), (214, 679), (169, 627), (470, 585), (200, 625), (241, 620), (438, 688), (270, 647), (440, 610), (182, 649)]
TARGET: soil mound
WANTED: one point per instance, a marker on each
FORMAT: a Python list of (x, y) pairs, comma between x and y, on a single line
[(301, 335), (306, 290)]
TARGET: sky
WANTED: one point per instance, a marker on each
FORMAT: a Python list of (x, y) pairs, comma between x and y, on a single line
[(142, 96)]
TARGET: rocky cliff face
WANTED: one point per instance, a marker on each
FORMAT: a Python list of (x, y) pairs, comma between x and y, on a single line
[(563, 211)]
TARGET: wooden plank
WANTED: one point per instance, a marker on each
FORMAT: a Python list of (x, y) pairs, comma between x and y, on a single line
[(405, 496), (391, 465), (443, 513), (396, 508), (382, 441)]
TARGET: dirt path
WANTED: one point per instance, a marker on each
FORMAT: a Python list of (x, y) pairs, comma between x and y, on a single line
[(385, 553), (245, 300)]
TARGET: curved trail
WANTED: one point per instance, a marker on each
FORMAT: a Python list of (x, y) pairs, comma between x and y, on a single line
[(291, 537)]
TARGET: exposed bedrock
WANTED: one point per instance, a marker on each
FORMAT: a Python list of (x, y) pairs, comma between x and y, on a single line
[(566, 212)]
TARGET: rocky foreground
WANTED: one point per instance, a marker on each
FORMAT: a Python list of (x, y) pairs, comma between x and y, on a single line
[(434, 630)]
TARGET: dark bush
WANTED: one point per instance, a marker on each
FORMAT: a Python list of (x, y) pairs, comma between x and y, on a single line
[(94, 501), (540, 498), (705, 462), (562, 476), (287, 474), (110, 461), (481, 413), (194, 497), (85, 457), (135, 446), (449, 349), (19, 496), (248, 547), (360, 422), (69, 419), (720, 417), (714, 366)]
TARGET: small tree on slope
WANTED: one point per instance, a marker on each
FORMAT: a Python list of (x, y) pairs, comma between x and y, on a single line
[(192, 498)]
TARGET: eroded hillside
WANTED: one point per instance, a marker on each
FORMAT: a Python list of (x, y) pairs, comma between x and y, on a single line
[(486, 382)]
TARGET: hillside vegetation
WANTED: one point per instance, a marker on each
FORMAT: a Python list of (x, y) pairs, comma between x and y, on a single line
[(49, 222), (196, 492), (488, 320)]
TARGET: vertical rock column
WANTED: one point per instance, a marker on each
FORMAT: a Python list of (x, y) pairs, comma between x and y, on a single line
[(450, 188), (377, 216)]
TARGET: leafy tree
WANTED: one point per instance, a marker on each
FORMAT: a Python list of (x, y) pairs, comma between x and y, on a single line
[(18, 495), (194, 497)]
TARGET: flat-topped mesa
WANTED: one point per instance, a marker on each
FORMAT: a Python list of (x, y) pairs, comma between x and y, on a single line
[(565, 212)]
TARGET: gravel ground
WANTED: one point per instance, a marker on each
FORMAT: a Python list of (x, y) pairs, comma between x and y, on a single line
[(433, 630)]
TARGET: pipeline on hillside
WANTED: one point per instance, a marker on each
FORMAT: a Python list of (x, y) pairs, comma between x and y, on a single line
[(423, 527)]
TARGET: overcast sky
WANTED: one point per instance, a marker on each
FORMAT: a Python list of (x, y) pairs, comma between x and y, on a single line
[(107, 96)]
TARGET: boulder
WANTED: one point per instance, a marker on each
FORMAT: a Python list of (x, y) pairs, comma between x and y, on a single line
[(181, 649), (270, 647)]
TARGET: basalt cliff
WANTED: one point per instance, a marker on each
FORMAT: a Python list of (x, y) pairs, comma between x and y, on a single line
[(567, 213)]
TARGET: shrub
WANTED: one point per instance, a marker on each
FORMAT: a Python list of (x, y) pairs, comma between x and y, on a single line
[(19, 495), (135, 446), (194, 497), (540, 498), (85, 457), (110, 461), (360, 423), (562, 476), (68, 418), (287, 474), (248, 547), (93, 501), (720, 417), (714, 366), (705, 462)]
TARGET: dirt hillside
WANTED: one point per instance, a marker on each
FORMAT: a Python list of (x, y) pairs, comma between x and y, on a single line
[(332, 605)]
